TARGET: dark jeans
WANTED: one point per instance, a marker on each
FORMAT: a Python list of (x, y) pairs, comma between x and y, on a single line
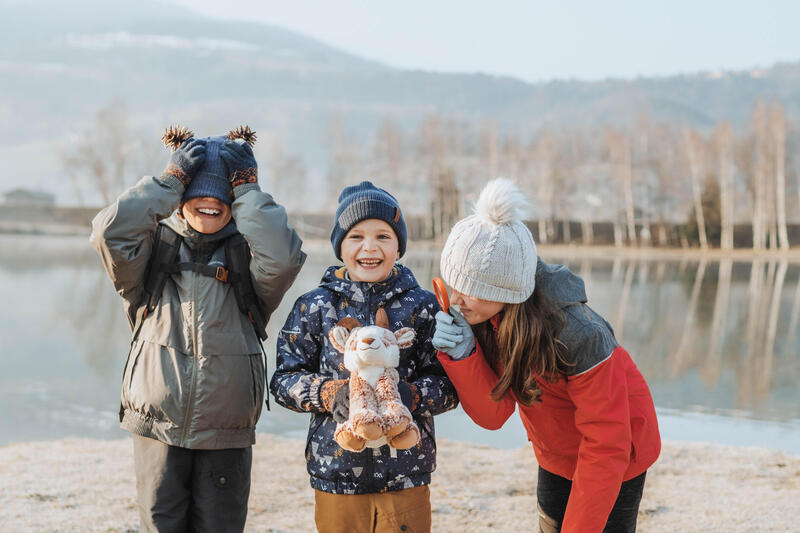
[(552, 492), (181, 490)]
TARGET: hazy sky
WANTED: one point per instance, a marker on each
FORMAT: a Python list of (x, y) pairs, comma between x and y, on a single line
[(536, 40)]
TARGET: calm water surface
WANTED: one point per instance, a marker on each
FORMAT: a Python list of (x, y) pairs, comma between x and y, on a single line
[(718, 342)]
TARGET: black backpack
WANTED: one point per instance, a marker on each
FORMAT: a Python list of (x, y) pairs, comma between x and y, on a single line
[(164, 262)]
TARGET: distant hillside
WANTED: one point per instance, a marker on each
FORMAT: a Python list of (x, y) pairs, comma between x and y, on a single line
[(61, 61)]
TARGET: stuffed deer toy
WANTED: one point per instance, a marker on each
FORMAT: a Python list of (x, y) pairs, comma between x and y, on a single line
[(377, 413)]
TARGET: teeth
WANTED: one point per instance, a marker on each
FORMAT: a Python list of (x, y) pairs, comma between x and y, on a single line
[(207, 211), (369, 261)]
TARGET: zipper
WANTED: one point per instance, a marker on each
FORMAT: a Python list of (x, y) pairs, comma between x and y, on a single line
[(193, 384)]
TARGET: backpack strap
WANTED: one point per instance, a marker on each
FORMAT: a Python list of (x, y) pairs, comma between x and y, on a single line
[(237, 254), (165, 252)]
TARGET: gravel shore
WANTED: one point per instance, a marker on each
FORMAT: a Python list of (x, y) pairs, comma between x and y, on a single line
[(88, 485)]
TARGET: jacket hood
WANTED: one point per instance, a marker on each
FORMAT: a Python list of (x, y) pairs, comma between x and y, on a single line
[(559, 284), (399, 281)]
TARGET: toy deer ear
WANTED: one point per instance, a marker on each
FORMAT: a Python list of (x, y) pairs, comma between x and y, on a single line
[(381, 318), (174, 136), (244, 133), (405, 337), (338, 337), (341, 331)]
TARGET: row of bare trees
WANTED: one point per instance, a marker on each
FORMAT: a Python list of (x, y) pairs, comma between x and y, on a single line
[(656, 184), (647, 180)]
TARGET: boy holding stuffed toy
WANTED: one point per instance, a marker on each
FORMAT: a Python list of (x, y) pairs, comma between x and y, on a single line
[(201, 257), (380, 488)]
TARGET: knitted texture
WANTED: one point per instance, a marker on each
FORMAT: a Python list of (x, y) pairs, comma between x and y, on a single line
[(491, 254), (364, 201), (212, 178)]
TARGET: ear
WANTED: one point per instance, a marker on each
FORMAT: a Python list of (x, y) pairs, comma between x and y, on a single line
[(381, 318), (338, 337), (244, 133), (174, 136), (405, 337)]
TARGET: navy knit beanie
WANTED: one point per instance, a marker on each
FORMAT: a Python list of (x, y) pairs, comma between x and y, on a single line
[(212, 178), (363, 201)]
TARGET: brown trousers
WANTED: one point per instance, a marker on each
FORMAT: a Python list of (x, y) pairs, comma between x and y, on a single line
[(405, 511)]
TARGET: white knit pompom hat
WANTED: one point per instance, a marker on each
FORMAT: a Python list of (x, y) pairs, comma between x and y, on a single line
[(491, 253)]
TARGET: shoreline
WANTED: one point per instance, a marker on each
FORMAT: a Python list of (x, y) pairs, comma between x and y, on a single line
[(78, 484), (562, 250)]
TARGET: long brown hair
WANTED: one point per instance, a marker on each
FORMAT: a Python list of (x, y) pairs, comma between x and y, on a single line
[(525, 344)]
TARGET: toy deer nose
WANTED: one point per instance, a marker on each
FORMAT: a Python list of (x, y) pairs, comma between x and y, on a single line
[(371, 343)]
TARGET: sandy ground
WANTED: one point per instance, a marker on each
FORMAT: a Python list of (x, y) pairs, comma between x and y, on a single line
[(88, 485)]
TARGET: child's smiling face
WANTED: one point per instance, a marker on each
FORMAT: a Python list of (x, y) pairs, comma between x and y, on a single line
[(206, 215), (369, 250)]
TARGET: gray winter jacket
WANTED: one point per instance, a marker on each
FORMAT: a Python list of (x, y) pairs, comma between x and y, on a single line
[(194, 377)]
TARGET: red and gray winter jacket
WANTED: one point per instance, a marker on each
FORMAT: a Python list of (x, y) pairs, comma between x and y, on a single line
[(595, 426)]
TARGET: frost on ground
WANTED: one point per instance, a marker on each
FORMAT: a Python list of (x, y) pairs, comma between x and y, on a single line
[(88, 485)]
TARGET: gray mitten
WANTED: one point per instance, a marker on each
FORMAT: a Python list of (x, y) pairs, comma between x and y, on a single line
[(241, 163), (186, 160)]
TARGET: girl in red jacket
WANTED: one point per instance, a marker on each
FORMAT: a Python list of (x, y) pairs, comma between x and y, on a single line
[(520, 332)]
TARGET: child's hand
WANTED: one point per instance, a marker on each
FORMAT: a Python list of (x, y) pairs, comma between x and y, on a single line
[(241, 163), (335, 397), (186, 160), (453, 335)]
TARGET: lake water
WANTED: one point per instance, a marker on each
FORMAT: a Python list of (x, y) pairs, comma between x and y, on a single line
[(718, 342)]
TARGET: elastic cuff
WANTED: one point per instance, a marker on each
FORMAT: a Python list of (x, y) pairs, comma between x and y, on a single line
[(315, 393), (467, 354), (172, 181), (239, 190)]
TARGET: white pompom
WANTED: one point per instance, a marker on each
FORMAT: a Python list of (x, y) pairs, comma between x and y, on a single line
[(500, 203)]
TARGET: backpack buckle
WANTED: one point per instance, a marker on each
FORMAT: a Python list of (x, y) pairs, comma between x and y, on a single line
[(221, 274)]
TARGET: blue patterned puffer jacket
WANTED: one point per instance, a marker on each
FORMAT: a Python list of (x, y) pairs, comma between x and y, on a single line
[(306, 359)]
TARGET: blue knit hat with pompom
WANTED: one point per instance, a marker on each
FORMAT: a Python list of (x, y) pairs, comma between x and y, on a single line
[(212, 178)]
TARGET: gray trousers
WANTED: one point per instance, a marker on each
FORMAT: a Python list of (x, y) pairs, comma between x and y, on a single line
[(181, 490)]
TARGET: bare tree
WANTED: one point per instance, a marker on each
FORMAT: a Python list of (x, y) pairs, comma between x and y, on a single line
[(694, 153), (344, 162), (759, 177), (108, 154), (620, 156), (544, 148), (287, 172), (723, 140), (777, 122)]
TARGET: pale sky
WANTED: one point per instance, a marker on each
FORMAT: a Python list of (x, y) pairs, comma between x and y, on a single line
[(540, 41)]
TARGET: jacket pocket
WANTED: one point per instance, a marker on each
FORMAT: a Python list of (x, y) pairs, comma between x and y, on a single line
[(159, 381)]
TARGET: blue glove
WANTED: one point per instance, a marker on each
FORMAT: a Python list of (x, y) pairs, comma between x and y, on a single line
[(453, 335), (186, 160), (241, 163)]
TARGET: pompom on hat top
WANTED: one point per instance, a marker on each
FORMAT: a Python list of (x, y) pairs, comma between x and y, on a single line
[(491, 254), (212, 178)]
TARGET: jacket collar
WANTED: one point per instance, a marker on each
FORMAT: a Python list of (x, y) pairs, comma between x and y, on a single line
[(194, 238), (399, 281)]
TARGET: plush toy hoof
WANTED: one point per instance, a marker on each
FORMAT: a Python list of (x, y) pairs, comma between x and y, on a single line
[(369, 431), (406, 439), (397, 428), (349, 441)]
